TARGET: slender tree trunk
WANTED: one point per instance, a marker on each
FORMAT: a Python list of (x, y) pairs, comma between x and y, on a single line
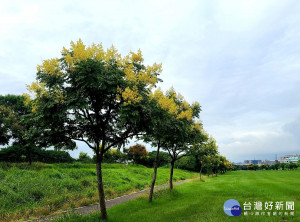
[(29, 158), (201, 171), (197, 161), (154, 174), (100, 188), (171, 174)]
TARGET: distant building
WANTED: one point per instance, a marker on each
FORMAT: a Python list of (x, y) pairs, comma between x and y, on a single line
[(271, 162), (255, 161), (294, 158), (246, 162)]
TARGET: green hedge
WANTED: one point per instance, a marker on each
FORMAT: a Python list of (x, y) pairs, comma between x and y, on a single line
[(18, 153)]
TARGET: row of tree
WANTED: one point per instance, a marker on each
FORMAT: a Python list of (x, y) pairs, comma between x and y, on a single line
[(208, 161), (18, 153), (276, 166), (104, 99)]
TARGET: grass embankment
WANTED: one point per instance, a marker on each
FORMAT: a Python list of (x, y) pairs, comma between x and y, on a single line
[(40, 189), (203, 201)]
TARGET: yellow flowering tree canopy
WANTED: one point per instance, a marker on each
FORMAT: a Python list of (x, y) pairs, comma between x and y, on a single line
[(175, 104), (135, 73), (180, 131), (89, 83)]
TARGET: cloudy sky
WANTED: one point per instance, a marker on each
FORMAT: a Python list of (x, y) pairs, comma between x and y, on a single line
[(240, 59)]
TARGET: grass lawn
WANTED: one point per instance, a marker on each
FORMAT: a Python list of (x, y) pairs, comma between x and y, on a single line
[(40, 189), (203, 201)]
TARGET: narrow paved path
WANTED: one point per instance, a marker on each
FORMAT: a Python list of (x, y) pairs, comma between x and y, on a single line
[(109, 203)]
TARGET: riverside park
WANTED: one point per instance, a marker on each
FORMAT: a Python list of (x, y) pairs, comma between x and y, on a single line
[(150, 111), (41, 190)]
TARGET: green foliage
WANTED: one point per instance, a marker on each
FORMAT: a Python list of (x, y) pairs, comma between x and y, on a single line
[(252, 166), (84, 158), (15, 102), (292, 166), (275, 166), (6, 120), (187, 163), (264, 167), (19, 124), (12, 119), (216, 163), (205, 151), (163, 159), (16, 153), (113, 156), (282, 166), (256, 167)]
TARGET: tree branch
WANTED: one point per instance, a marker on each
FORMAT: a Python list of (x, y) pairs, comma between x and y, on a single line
[(83, 140), (183, 155)]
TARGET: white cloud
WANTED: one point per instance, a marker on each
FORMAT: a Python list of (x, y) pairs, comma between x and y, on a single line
[(239, 59)]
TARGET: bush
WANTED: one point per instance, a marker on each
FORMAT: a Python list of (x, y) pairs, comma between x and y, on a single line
[(12, 154), (187, 163), (252, 166), (137, 153), (163, 159), (84, 158), (18, 153)]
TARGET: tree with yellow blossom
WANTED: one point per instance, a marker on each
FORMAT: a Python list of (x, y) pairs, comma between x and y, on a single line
[(208, 153), (162, 108), (95, 96), (178, 130), (198, 150)]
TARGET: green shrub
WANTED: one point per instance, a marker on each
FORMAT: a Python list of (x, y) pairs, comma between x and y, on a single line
[(17, 153), (84, 158), (187, 163)]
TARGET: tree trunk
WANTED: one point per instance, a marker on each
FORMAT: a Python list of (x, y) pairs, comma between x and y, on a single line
[(154, 174), (100, 188), (201, 171), (197, 161), (29, 158), (171, 174)]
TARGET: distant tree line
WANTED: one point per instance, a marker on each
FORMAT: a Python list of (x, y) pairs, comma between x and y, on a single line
[(277, 166), (210, 163), (18, 153)]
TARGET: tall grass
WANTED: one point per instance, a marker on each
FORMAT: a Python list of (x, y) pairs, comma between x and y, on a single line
[(40, 189)]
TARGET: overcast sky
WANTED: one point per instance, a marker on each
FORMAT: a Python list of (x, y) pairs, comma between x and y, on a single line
[(239, 59)]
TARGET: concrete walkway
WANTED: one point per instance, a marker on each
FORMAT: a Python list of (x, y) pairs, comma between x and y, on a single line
[(109, 203)]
